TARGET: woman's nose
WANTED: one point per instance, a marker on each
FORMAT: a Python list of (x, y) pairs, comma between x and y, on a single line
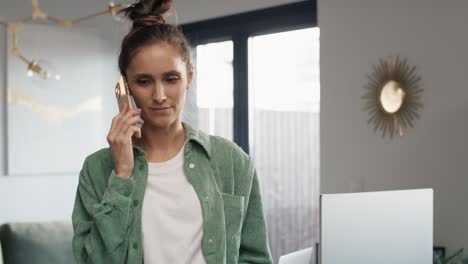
[(159, 94)]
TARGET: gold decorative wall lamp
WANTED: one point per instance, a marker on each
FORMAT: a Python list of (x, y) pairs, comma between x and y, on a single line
[(34, 66)]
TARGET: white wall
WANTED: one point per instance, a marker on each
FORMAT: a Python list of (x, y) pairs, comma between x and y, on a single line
[(38, 197), (3, 83), (42, 198), (432, 35)]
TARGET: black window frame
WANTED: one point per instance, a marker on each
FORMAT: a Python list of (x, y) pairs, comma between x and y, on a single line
[(239, 28)]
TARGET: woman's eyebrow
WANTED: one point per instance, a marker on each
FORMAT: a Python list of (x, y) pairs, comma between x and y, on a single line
[(173, 72), (145, 75), (150, 76)]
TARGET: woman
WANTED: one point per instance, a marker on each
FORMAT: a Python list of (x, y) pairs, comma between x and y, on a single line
[(167, 193)]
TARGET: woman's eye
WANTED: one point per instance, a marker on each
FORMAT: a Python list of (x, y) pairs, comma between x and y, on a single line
[(143, 82), (172, 79)]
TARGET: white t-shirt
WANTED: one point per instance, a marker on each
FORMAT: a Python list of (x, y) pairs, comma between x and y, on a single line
[(172, 216)]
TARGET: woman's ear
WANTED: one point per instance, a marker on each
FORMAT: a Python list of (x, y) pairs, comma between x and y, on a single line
[(189, 75)]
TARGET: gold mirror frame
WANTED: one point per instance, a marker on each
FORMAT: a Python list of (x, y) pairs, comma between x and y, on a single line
[(393, 96)]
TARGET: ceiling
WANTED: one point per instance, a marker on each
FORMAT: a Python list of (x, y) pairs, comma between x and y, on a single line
[(187, 10)]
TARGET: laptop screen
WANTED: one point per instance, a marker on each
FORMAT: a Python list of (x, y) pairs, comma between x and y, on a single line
[(377, 227)]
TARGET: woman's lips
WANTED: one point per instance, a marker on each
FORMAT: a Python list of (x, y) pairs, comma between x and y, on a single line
[(159, 109)]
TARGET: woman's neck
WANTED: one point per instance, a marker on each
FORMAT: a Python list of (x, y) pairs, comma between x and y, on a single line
[(161, 143)]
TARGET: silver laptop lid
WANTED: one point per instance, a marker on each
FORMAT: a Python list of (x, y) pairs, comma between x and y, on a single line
[(304, 256), (377, 227)]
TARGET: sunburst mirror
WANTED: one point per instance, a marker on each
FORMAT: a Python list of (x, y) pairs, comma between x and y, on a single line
[(393, 96)]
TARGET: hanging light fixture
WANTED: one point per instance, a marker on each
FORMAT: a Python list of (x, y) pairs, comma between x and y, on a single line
[(39, 66)]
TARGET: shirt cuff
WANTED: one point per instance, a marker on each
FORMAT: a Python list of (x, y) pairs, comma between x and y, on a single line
[(119, 190)]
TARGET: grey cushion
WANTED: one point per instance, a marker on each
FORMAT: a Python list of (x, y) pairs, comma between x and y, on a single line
[(37, 243)]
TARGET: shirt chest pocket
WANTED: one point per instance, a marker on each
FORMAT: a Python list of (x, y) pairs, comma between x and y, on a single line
[(233, 215)]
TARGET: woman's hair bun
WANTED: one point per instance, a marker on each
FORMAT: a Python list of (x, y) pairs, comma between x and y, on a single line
[(147, 12)]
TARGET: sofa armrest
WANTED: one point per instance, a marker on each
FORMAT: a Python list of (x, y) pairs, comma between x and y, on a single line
[(38, 243)]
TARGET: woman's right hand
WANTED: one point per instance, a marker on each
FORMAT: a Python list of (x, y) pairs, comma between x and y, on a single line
[(120, 139)]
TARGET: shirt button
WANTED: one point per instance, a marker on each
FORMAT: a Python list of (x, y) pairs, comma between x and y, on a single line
[(207, 198), (210, 241), (135, 203), (191, 165)]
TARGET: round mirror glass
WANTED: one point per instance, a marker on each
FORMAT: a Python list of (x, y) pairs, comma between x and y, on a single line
[(391, 97)]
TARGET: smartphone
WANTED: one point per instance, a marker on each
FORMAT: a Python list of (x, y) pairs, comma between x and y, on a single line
[(123, 95)]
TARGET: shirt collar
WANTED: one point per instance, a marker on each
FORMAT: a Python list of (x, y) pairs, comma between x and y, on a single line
[(191, 134)]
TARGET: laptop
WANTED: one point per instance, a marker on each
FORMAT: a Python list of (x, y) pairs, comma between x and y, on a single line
[(377, 227), (303, 256)]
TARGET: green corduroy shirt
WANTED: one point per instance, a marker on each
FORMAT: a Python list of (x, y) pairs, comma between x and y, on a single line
[(107, 211)]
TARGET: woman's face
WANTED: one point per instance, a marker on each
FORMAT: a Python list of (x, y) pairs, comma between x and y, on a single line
[(158, 79)]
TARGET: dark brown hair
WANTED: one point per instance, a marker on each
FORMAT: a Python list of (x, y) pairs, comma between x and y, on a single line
[(149, 27)]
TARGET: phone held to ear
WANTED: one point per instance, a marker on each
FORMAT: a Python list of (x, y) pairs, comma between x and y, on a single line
[(122, 92)]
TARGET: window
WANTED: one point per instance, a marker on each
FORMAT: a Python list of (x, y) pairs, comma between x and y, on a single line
[(284, 133), (258, 85), (212, 109)]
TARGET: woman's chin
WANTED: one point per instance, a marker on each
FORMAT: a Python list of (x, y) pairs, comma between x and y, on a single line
[(160, 122)]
